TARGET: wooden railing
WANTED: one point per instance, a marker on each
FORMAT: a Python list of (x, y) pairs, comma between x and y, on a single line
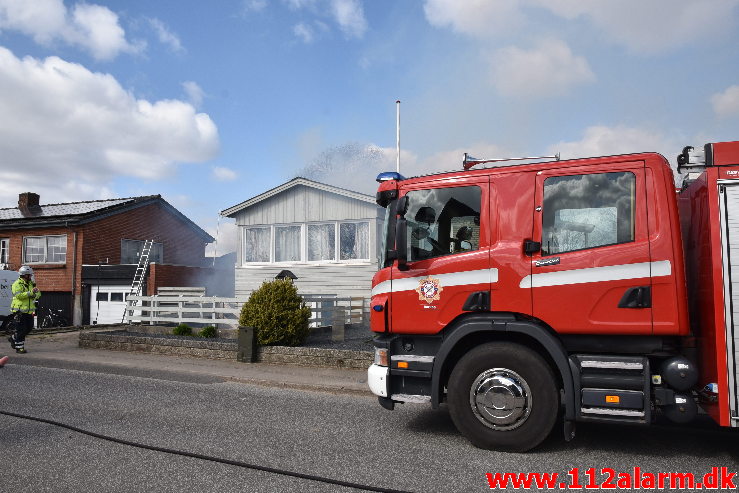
[(210, 310)]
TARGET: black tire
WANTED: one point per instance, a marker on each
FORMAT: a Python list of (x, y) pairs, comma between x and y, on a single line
[(503, 396)]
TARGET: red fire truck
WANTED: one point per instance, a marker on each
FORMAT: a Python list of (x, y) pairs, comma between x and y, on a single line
[(585, 290)]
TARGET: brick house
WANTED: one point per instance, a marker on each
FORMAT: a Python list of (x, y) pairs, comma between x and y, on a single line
[(84, 254)]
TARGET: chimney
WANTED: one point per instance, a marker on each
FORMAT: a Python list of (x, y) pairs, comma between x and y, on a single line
[(27, 199)]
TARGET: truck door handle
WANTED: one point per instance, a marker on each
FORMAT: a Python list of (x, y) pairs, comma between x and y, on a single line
[(637, 297), (530, 247)]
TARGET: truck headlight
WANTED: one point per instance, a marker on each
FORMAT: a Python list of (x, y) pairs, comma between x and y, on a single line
[(381, 357)]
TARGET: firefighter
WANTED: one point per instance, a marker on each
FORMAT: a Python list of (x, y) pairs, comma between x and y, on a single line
[(23, 307)]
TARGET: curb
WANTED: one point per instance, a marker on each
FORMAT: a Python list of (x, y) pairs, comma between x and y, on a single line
[(226, 350)]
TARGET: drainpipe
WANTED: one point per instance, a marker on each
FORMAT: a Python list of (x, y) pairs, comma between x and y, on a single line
[(76, 311)]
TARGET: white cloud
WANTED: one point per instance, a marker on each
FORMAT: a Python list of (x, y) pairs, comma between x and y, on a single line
[(726, 103), (605, 141), (224, 174), (479, 18), (194, 93), (254, 5), (347, 15), (350, 17), (651, 27), (92, 27), (550, 69), (60, 120), (642, 27), (166, 36), (304, 32), (300, 4)]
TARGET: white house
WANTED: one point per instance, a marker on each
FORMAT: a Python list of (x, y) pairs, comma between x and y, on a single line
[(325, 235)]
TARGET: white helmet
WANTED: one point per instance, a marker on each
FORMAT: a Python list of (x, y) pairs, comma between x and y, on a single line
[(25, 271)]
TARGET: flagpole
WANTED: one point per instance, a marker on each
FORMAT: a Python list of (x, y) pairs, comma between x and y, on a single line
[(397, 127)]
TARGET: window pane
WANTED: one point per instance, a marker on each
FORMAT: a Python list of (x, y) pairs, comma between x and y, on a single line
[(34, 247), (588, 211), (116, 296), (321, 242), (101, 297), (287, 243), (256, 245), (354, 241), (56, 248), (157, 253), (443, 221), (131, 250)]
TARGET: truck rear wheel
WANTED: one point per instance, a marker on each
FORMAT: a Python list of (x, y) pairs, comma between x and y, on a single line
[(503, 396)]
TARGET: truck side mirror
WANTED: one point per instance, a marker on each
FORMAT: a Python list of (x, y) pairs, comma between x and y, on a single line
[(402, 205), (401, 243)]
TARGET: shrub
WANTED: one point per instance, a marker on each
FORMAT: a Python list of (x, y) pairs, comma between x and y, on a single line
[(209, 331), (182, 330), (277, 313)]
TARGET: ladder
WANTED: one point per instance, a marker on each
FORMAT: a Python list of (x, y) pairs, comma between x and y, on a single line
[(138, 278)]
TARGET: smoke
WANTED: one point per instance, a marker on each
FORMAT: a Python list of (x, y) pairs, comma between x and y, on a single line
[(352, 166)]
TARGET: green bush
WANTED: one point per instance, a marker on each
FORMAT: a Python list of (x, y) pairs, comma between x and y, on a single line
[(182, 330), (277, 313), (209, 332)]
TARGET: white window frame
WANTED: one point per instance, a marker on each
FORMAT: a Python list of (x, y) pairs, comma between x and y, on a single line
[(4, 251), (369, 242), (304, 243), (336, 244), (46, 249), (271, 243)]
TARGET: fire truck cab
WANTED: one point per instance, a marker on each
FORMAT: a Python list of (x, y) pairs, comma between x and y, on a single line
[(518, 294)]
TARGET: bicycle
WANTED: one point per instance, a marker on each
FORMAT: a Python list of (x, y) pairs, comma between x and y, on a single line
[(7, 326), (48, 318)]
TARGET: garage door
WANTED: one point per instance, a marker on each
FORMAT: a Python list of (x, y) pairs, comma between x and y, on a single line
[(107, 303)]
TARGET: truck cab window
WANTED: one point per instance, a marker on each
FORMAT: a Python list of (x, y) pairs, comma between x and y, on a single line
[(587, 211), (443, 221)]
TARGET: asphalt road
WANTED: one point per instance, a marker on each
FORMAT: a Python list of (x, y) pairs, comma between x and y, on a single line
[(343, 437)]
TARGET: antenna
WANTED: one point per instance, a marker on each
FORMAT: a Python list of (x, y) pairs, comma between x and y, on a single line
[(397, 127)]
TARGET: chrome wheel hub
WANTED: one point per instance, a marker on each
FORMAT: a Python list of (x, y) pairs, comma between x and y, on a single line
[(500, 399)]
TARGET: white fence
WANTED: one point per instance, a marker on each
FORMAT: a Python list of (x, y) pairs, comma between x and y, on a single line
[(210, 310), (328, 309)]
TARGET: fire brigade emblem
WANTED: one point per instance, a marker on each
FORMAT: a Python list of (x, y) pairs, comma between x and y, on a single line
[(429, 290)]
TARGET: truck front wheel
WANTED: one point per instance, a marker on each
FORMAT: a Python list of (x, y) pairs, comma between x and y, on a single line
[(503, 396)]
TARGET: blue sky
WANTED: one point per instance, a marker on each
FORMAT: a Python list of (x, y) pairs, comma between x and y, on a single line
[(211, 103)]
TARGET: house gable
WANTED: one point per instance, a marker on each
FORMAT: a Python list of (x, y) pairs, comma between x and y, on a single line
[(304, 204)]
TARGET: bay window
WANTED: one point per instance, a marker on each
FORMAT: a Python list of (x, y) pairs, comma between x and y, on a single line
[(338, 241)]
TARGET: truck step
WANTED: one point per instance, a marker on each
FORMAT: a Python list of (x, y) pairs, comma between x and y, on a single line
[(414, 399), (613, 412), (612, 388)]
